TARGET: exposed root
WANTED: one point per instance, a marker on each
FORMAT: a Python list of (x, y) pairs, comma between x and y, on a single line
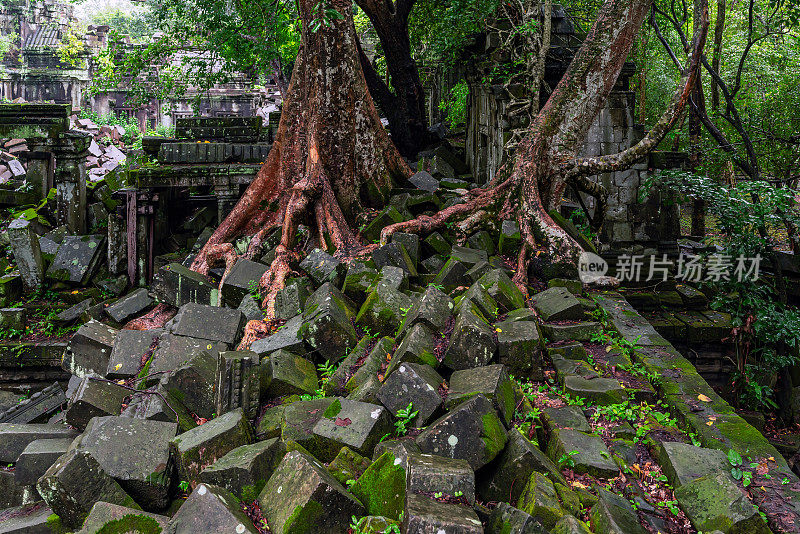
[(155, 318)]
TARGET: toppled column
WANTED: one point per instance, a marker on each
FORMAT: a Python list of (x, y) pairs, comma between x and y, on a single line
[(28, 255)]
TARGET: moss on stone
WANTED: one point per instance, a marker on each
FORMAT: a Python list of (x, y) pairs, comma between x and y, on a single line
[(131, 523), (493, 435), (382, 487), (304, 519)]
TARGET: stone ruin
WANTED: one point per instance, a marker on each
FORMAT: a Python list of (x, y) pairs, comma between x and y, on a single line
[(35, 73), (415, 388)]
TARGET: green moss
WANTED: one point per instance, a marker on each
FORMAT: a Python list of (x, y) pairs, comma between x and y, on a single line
[(251, 492), (382, 487), (303, 519), (131, 523), (55, 525), (333, 410), (493, 435)]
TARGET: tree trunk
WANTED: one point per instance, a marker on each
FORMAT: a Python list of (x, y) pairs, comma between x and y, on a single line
[(403, 103), (331, 158), (719, 29), (546, 160)]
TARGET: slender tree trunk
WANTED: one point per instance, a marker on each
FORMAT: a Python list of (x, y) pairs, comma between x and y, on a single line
[(719, 29), (331, 158), (404, 102), (695, 130)]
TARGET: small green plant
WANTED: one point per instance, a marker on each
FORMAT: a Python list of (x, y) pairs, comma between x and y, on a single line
[(566, 459), (253, 289), (672, 506), (184, 486), (326, 370), (404, 418)]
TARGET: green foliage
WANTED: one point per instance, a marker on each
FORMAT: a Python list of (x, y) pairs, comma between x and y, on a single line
[(456, 104), (72, 50), (224, 38), (404, 418), (761, 323), (566, 460), (137, 25)]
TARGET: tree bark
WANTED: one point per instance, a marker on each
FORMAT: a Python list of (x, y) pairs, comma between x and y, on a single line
[(546, 160), (404, 102), (331, 158), (719, 30)]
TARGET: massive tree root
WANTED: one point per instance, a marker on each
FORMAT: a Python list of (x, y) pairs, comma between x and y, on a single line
[(546, 161), (331, 159)]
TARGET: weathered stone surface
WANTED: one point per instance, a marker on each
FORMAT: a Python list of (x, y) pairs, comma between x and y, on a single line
[(492, 381), (177, 285), (251, 309), (452, 275), (130, 348), (478, 301), (435, 243), (289, 374), (557, 304), (427, 515), (375, 524), (383, 310), (415, 384), (322, 267), (683, 463), (240, 381), (223, 325), (415, 347), (245, 470), (411, 244), (302, 497), (715, 502), (289, 337), (394, 254), (157, 404), (389, 215), (502, 289), (299, 419), (135, 452), (592, 456), (36, 408), (243, 279), (600, 391), (348, 466), (200, 447), (77, 259), (26, 519), (510, 238), (382, 487), (615, 515), (291, 300), (423, 180), (89, 350), (472, 343), (94, 398), (27, 254), (174, 351), (569, 525), (471, 431), (73, 313), (584, 331), (518, 461), (210, 509), (506, 519), (326, 323), (565, 417), (130, 306), (433, 309), (74, 483), (429, 474), (194, 383), (37, 458), (358, 425), (540, 499), (519, 348), (105, 516), (15, 437)]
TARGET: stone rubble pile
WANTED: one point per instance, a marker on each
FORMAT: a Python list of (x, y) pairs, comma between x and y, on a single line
[(415, 390)]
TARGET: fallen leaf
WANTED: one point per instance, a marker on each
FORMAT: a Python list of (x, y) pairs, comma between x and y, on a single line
[(342, 422), (704, 398)]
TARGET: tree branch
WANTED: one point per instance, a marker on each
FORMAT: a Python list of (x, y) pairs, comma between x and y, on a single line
[(615, 162)]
